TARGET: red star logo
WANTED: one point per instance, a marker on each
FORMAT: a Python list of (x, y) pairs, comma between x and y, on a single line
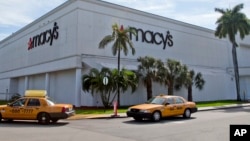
[(30, 44), (121, 28)]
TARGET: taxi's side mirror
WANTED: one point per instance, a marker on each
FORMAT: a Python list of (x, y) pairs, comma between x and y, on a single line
[(167, 103), (9, 104)]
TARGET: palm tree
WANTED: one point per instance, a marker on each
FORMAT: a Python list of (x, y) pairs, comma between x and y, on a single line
[(230, 23), (174, 71), (123, 80), (120, 37), (93, 82), (148, 71), (193, 79)]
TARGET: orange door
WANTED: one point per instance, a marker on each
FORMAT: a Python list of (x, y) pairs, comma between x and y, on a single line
[(32, 108), (169, 109), (179, 106), (14, 110)]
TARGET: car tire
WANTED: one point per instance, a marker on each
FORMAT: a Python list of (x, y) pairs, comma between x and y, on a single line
[(187, 113), (137, 118), (54, 120), (156, 116), (9, 120), (43, 118), (0, 117)]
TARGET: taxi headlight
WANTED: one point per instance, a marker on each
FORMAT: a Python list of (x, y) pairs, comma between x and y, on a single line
[(129, 109), (145, 111)]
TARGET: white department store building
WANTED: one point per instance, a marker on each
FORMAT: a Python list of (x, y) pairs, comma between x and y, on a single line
[(54, 51)]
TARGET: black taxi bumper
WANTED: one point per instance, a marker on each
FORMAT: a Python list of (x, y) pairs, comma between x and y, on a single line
[(193, 110), (139, 114)]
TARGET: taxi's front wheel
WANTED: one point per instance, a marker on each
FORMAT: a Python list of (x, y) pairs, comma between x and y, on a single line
[(187, 113), (0, 117), (156, 116), (43, 118)]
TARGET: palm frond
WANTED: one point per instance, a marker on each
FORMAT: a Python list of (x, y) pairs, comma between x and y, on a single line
[(237, 8), (106, 40), (231, 22)]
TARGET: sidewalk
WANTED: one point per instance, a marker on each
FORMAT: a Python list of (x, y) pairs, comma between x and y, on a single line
[(123, 115)]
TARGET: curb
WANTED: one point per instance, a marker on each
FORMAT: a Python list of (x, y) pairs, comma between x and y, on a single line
[(99, 116), (223, 107)]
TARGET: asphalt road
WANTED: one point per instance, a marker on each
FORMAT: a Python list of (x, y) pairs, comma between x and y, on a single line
[(203, 126)]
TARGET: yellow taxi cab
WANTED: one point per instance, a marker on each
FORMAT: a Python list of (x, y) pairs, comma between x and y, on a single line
[(162, 106), (36, 105)]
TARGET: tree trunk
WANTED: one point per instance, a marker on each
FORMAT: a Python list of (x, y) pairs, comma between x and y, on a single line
[(190, 95), (118, 91), (236, 71), (149, 89), (171, 88)]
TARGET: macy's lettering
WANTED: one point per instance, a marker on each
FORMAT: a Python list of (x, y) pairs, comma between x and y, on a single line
[(153, 37), (45, 37)]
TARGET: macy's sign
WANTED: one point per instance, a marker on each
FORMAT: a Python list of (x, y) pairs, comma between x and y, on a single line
[(151, 37), (45, 37)]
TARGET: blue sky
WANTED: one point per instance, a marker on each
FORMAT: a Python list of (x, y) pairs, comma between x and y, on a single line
[(15, 14)]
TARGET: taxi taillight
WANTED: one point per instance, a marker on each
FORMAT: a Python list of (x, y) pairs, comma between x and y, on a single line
[(64, 109)]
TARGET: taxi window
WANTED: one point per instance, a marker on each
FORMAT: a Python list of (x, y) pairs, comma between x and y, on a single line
[(50, 102), (156, 100), (179, 100), (170, 100), (19, 102), (33, 102)]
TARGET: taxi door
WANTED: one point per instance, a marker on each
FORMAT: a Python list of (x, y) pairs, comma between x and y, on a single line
[(14, 110), (169, 109), (179, 106), (32, 108)]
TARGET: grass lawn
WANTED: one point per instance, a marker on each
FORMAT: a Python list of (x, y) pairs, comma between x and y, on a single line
[(2, 102), (217, 103), (99, 111)]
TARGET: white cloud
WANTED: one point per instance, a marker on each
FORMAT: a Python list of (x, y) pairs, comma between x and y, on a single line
[(15, 14), (197, 12), (21, 12)]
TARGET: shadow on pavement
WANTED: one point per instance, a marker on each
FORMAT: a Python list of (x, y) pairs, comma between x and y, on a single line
[(30, 124), (164, 120)]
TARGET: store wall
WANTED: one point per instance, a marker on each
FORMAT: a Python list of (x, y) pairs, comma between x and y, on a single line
[(15, 49), (62, 86), (81, 25), (194, 46)]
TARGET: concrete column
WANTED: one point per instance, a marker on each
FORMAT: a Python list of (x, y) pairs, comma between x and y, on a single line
[(26, 83), (47, 82), (78, 85)]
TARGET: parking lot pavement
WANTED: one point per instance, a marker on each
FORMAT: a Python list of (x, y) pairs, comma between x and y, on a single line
[(123, 115)]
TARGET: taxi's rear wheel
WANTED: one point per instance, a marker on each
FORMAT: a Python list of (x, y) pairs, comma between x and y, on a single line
[(137, 118), (54, 120), (0, 117), (43, 118), (156, 116), (187, 113), (9, 120)]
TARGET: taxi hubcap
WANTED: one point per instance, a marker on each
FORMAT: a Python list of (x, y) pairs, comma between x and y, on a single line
[(156, 116), (187, 113), (43, 118)]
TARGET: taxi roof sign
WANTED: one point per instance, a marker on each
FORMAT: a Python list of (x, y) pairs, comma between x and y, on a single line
[(35, 93)]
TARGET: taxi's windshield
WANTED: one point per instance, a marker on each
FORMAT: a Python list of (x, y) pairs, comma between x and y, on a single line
[(156, 100), (50, 101)]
